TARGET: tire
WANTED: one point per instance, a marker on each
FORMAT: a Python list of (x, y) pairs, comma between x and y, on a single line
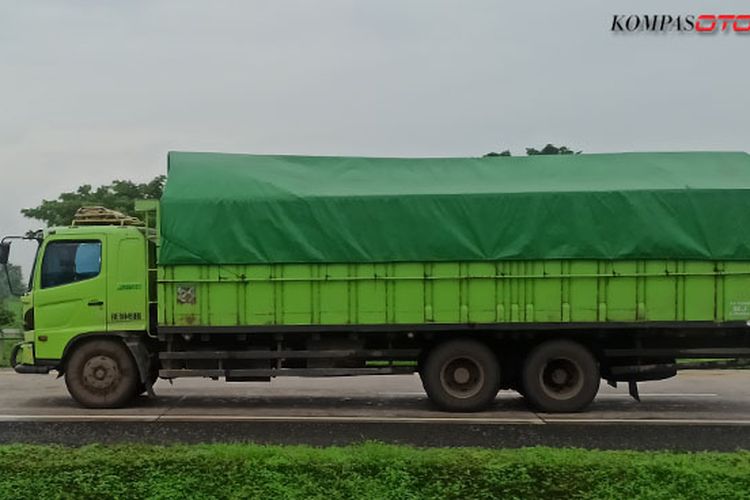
[(102, 374), (560, 376), (461, 376)]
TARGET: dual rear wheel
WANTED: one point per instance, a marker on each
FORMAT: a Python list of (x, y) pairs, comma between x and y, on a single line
[(560, 376), (461, 375), (465, 375)]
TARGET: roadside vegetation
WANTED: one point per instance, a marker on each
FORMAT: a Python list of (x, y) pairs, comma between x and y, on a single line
[(10, 319), (365, 471)]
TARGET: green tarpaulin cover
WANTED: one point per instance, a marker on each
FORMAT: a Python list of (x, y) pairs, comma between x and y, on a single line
[(245, 209)]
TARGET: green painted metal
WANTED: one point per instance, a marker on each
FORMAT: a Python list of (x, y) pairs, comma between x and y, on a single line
[(543, 291), (64, 312)]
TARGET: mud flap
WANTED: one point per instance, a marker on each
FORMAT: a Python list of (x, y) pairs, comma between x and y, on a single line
[(633, 390), (143, 361)]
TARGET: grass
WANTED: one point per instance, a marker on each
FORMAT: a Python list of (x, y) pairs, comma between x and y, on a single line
[(365, 471)]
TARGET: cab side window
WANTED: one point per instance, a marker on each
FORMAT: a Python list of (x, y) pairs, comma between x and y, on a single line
[(70, 261)]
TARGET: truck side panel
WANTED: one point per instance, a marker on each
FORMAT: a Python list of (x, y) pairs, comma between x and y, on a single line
[(550, 291)]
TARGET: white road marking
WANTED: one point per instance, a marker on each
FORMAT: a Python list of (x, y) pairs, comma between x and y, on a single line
[(352, 419), (265, 418), (645, 421), (541, 420), (663, 395), (81, 418), (602, 395)]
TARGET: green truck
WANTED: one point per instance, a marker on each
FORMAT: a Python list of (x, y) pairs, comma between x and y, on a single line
[(540, 274)]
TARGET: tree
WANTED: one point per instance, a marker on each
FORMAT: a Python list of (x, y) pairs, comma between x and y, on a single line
[(6, 317), (501, 153), (549, 149), (118, 195), (15, 279)]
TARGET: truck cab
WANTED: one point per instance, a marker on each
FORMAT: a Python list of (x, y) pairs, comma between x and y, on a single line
[(88, 286)]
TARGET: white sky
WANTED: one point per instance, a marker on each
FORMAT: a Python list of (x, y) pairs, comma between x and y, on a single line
[(92, 91)]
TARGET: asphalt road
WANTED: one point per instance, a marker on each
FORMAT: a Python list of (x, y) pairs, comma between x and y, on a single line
[(707, 410)]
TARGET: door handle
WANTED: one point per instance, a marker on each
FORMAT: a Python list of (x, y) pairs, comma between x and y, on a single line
[(96, 302)]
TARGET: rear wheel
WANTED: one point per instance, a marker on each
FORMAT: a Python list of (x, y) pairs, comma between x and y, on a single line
[(560, 376), (102, 374), (461, 375)]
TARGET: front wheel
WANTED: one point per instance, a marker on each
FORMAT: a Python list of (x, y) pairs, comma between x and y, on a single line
[(560, 376), (102, 374), (461, 375)]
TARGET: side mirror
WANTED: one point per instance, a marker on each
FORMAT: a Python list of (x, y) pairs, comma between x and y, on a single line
[(4, 252)]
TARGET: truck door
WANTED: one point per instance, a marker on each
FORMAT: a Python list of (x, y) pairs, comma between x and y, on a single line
[(71, 296)]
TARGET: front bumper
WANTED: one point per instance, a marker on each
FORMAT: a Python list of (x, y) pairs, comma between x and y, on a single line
[(22, 359)]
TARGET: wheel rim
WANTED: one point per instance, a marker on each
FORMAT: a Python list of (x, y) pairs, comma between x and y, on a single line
[(101, 374), (561, 378), (462, 377)]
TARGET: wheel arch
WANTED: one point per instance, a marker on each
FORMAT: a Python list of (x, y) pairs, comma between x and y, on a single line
[(480, 354)]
